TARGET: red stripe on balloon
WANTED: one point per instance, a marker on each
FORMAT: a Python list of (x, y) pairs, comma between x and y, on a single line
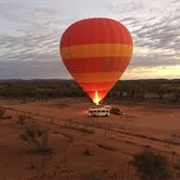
[(96, 30), (92, 65), (101, 88), (104, 86)]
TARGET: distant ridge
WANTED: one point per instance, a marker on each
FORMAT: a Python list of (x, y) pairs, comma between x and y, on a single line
[(154, 80), (34, 80), (71, 80)]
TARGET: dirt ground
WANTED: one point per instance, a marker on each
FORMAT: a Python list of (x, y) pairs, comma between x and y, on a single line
[(83, 147)]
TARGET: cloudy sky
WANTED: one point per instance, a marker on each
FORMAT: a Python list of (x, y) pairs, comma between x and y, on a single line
[(30, 31)]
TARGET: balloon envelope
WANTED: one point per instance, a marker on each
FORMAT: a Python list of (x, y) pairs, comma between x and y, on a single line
[(96, 52)]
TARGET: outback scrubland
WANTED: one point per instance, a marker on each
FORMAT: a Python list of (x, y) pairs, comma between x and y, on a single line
[(46, 132)]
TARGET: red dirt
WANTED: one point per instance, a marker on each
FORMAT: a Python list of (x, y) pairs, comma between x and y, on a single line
[(111, 141)]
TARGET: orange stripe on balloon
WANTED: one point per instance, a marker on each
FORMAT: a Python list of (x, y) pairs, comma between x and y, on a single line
[(89, 65), (96, 50), (96, 77)]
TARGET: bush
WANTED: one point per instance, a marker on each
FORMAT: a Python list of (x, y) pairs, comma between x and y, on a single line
[(2, 113), (37, 137), (21, 119), (151, 166), (87, 152)]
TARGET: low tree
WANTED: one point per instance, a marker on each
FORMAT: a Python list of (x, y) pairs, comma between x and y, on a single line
[(176, 95), (151, 166), (160, 92)]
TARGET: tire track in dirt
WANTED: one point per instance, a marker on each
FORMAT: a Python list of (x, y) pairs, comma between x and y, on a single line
[(129, 140)]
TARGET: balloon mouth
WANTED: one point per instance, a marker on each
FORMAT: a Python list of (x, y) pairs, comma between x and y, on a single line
[(96, 98)]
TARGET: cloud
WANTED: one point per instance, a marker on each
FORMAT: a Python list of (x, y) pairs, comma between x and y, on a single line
[(149, 62), (33, 70), (168, 72), (31, 30)]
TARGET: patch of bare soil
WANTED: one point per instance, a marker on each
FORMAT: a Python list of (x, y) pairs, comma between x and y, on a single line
[(86, 147)]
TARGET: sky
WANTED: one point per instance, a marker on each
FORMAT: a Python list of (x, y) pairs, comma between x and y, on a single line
[(30, 31)]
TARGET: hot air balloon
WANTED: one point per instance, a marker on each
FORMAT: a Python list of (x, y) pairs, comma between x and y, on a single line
[(96, 52)]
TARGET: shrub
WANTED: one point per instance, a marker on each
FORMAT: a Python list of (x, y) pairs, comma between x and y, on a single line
[(85, 129), (21, 119), (151, 166), (2, 113), (87, 152), (37, 137)]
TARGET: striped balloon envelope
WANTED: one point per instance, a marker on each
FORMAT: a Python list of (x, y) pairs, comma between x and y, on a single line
[(96, 52)]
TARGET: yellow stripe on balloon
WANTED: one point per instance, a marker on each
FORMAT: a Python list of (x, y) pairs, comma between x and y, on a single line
[(96, 50), (96, 77)]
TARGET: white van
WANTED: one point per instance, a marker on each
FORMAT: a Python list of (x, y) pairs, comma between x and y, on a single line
[(99, 111)]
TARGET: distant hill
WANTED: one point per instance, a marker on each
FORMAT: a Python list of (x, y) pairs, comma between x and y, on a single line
[(71, 80)]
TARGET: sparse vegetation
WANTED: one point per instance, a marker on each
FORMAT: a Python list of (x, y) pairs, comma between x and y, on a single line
[(87, 129), (176, 95), (37, 137), (107, 147), (73, 125), (52, 89), (87, 152), (21, 119), (2, 113), (70, 139), (151, 166), (177, 166)]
